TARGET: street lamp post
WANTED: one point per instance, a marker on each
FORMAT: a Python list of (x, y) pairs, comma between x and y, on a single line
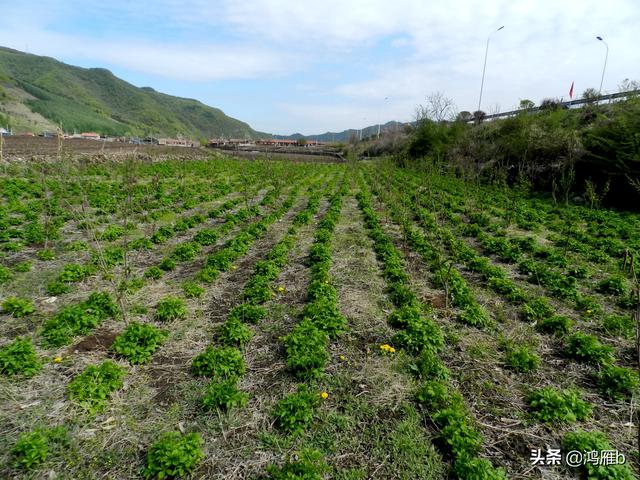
[(606, 55), (484, 68)]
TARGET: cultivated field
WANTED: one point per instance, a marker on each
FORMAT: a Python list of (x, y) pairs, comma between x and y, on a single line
[(227, 319)]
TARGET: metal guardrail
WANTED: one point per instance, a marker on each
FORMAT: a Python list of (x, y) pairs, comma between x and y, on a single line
[(568, 104)]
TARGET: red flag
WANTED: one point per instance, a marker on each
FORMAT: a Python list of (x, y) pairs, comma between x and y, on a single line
[(571, 91)]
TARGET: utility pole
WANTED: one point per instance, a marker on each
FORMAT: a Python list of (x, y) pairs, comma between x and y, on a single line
[(484, 68), (606, 55)]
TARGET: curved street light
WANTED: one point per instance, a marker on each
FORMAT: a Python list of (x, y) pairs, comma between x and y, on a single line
[(606, 55), (486, 52)]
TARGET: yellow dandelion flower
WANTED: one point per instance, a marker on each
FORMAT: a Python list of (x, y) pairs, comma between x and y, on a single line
[(57, 359), (392, 350), (588, 311), (234, 267), (281, 289), (324, 395), (342, 357)]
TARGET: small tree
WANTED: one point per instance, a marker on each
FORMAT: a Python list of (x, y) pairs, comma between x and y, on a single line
[(526, 104), (590, 94)]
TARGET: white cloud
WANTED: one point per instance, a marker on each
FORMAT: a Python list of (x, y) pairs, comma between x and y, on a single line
[(172, 60), (429, 46)]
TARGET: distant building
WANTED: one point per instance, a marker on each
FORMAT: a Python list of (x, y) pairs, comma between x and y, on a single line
[(176, 142), (90, 136)]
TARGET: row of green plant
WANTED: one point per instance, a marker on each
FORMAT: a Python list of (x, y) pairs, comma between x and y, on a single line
[(613, 382), (306, 348), (223, 365), (422, 338), (306, 344)]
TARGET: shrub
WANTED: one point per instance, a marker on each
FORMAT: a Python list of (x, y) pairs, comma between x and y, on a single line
[(192, 290), (247, 313), (308, 465), (168, 264), (153, 272), (19, 358), (557, 324), (537, 309), (589, 306), (614, 285), (17, 307), (401, 317), (306, 349), (325, 315), (474, 468), (5, 275), (223, 395), (586, 348), (138, 342), (460, 436), (73, 273), (78, 319), (206, 237), (186, 252), (23, 266), (522, 359), (619, 325), (173, 455), (475, 315), (58, 288), (429, 366), (595, 441), (294, 412), (111, 233), (420, 333), (91, 389), (170, 308), (551, 405), (234, 333), (218, 363), (46, 254), (32, 448), (617, 383)]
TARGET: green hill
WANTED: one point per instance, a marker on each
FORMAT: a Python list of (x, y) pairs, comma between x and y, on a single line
[(38, 93)]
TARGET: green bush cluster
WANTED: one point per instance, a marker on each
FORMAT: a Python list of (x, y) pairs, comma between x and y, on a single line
[(549, 404), (192, 290), (521, 359), (223, 395), (307, 465), (19, 358), (33, 447), (92, 388), (306, 349), (174, 455), (295, 412), (584, 442), (457, 432), (138, 342), (17, 307), (219, 363), (588, 349), (247, 313), (171, 308), (617, 383), (78, 319)]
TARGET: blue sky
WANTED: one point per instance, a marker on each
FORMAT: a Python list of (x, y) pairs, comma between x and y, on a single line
[(288, 66)]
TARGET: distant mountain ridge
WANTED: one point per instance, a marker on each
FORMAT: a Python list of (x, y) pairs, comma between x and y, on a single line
[(345, 135), (40, 93)]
